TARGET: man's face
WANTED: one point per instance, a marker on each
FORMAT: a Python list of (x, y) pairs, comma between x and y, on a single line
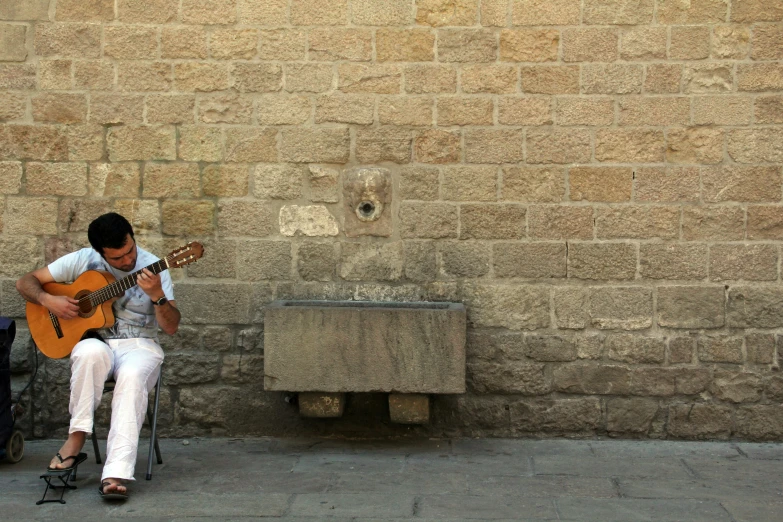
[(123, 258)]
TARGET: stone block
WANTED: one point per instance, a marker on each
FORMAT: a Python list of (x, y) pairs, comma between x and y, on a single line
[(112, 108), (19, 255), (225, 108), (73, 40), (590, 44), (614, 261), (494, 146), (696, 12), (278, 181), (708, 77), (76, 214), (114, 180), (130, 42), (375, 145), (327, 12), (760, 422), (190, 368), (183, 42), (414, 360), (681, 350), (371, 261), (556, 415), (56, 179), (351, 108), (200, 143), (496, 79), (754, 307), (550, 348), (321, 405), (147, 11), (560, 222), (689, 43), (201, 77), (719, 349), (214, 303), (604, 379), (543, 12), (729, 183), (610, 184), (419, 183), (731, 41), (246, 218), (663, 78), (257, 77), (593, 110), (282, 110), (626, 308), (17, 76), (85, 142), (143, 76), (634, 415), (533, 184), (692, 307), (681, 261), (461, 259), (516, 307), (467, 45), (667, 184), (405, 110), (437, 146), (263, 12), (409, 408), (612, 79), (59, 108), (251, 144), (491, 221), (233, 44), (517, 377), (643, 43), (756, 11), (529, 260), (630, 146), (743, 262), (558, 146), (373, 78), (308, 77), (324, 184), (367, 198), (522, 111), (141, 142), (307, 220), (420, 263), (767, 40), (24, 10), (756, 145), (171, 180), (768, 109), (12, 43), (263, 260), (654, 111), (571, 308), (219, 261), (404, 45), (637, 222), (316, 261), (695, 145), (722, 110), (635, 350), (550, 79), (700, 421), (55, 75), (188, 218), (712, 223), (209, 12), (428, 220), (143, 215), (736, 387), (33, 215), (302, 145), (10, 177), (439, 13), (381, 12), (529, 45), (33, 142), (469, 183), (430, 78)]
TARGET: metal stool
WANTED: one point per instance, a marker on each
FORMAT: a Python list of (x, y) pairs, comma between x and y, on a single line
[(152, 418)]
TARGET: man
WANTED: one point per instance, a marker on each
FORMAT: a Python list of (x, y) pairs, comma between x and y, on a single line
[(128, 351)]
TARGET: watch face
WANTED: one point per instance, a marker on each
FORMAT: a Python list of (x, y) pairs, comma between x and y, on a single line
[(161, 301)]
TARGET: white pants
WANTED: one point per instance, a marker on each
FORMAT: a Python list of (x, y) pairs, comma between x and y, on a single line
[(134, 364)]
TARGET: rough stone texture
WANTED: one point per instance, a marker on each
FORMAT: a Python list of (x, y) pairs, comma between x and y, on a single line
[(690, 307), (409, 408), (321, 405), (310, 220), (427, 354)]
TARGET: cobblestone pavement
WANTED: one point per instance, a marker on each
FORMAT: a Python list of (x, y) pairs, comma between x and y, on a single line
[(433, 480)]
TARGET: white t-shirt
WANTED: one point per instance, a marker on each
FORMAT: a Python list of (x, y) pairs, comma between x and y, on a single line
[(134, 312)]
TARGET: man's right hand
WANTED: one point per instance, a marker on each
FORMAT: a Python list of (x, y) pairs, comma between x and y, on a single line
[(62, 306)]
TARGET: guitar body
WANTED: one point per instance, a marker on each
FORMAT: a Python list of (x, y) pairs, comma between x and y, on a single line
[(58, 343)]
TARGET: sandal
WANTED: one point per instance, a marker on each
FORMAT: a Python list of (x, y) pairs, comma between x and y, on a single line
[(77, 459), (114, 495)]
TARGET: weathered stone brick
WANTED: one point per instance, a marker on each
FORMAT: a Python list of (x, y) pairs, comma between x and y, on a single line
[(533, 184), (695, 145), (225, 108), (33, 216), (689, 43), (428, 220), (754, 307), (200, 143), (371, 262), (643, 43), (492, 222), (225, 180), (437, 146), (765, 222), (121, 180), (12, 43), (54, 75), (374, 145), (263, 12), (10, 177), (529, 45), (419, 183), (759, 422), (375, 78), (709, 77), (17, 76), (756, 184), (220, 262), (736, 387), (756, 11), (201, 76), (251, 144), (113, 108), (56, 179), (621, 308), (517, 377), (209, 12), (324, 184), (308, 77), (171, 180), (143, 76), (85, 142), (469, 183), (143, 214), (543, 12), (188, 218), (147, 11), (558, 146), (141, 142), (630, 415), (529, 260), (667, 184), (601, 261), (24, 10), (719, 348), (731, 41), (345, 108), (515, 307), (699, 421), (19, 255), (571, 310), (93, 74), (637, 222), (430, 78), (13, 106), (582, 415), (756, 145), (278, 181), (612, 79), (183, 42), (654, 110), (624, 12), (591, 110), (712, 223), (497, 79), (315, 145), (316, 261), (681, 349), (233, 44), (262, 260), (760, 348), (214, 303), (75, 214), (591, 379), (774, 387), (522, 111), (722, 110), (467, 45), (463, 259), (177, 108), (328, 12), (560, 222), (35, 142), (494, 13), (698, 11), (74, 40), (663, 78), (612, 184), (381, 12), (59, 108), (439, 13), (245, 218), (590, 44), (130, 42), (682, 261), (460, 110), (550, 79), (494, 146), (420, 262), (690, 307), (633, 349), (768, 109), (403, 45), (283, 44), (767, 42), (332, 44), (630, 146)]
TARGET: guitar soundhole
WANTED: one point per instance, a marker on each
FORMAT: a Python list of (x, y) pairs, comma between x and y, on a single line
[(85, 306)]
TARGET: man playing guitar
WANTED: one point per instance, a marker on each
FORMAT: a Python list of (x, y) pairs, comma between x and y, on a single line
[(128, 351)]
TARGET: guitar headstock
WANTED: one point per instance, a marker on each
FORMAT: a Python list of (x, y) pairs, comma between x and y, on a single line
[(190, 253)]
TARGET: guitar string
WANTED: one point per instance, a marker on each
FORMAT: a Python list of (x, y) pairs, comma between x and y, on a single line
[(107, 291)]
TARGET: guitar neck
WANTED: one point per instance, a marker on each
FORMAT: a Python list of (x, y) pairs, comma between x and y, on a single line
[(119, 287)]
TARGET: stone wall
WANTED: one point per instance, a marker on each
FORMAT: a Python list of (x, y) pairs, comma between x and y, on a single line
[(598, 181)]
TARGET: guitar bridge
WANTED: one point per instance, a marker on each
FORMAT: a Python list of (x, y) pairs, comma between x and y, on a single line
[(56, 325)]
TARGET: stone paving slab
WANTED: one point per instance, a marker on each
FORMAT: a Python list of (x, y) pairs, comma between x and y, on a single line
[(307, 480)]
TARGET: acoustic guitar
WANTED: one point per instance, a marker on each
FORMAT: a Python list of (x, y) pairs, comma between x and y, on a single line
[(95, 290)]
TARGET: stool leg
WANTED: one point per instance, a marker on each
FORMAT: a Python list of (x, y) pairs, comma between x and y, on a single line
[(154, 433), (95, 447)]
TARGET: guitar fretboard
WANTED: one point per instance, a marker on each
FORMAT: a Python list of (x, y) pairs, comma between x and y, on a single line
[(119, 287)]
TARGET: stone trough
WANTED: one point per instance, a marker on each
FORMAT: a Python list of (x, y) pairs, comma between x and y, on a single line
[(325, 349)]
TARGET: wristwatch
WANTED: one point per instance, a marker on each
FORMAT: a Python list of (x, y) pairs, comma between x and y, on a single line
[(160, 301)]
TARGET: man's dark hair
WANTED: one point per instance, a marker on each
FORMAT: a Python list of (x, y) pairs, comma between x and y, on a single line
[(108, 231)]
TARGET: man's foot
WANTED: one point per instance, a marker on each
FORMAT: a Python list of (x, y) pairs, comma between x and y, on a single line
[(113, 489), (69, 452)]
